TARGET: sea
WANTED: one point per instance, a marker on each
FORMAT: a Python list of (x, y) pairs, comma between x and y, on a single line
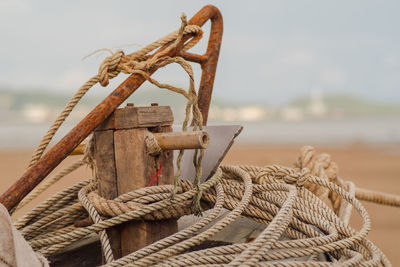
[(382, 130)]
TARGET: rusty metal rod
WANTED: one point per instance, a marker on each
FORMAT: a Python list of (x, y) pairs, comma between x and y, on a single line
[(34, 175), (209, 66)]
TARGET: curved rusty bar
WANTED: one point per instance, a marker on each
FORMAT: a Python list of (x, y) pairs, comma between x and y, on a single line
[(34, 175), (209, 60)]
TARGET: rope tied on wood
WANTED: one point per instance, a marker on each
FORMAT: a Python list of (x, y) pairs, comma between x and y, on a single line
[(139, 62), (152, 146)]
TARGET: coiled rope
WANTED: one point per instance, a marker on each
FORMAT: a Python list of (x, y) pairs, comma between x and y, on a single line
[(273, 195)]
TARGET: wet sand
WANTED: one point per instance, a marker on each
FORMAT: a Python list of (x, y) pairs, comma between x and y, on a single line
[(373, 167)]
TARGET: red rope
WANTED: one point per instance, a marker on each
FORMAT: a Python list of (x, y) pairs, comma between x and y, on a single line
[(156, 176)]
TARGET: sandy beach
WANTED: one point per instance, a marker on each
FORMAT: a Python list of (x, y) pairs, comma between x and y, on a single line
[(373, 167)]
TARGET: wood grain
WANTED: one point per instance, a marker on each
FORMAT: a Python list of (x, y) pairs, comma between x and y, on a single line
[(136, 169), (107, 179), (138, 117)]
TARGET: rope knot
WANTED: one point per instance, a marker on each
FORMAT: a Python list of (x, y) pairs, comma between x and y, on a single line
[(143, 65), (304, 176), (300, 178), (152, 146), (108, 66)]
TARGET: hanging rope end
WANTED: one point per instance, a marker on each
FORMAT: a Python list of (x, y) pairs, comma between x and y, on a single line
[(197, 210)]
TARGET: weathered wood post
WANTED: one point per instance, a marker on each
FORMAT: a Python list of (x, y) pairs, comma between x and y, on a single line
[(123, 165)]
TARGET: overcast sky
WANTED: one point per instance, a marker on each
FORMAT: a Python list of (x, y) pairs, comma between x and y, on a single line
[(271, 51)]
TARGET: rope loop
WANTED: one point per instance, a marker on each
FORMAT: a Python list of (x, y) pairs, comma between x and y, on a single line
[(298, 178)]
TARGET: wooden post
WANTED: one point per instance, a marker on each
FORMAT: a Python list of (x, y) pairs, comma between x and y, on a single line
[(123, 165), (107, 178)]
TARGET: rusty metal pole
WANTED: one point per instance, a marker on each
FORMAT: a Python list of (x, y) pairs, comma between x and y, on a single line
[(209, 60), (34, 175)]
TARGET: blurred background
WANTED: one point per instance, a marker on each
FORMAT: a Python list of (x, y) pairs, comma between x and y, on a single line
[(291, 72)]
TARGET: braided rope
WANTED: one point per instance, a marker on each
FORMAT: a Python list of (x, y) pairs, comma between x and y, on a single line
[(49, 182), (94, 215)]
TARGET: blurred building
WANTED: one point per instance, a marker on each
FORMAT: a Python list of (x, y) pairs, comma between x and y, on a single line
[(317, 107)]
